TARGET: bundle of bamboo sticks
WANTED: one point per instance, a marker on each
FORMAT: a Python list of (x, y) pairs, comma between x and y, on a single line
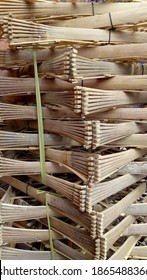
[(38, 35), (90, 202)]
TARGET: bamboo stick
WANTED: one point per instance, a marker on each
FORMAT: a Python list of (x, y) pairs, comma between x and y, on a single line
[(58, 204), (112, 235), (19, 235), (8, 195), (93, 167), (119, 83), (103, 190), (51, 8), (17, 167), (27, 34), (106, 217), (61, 8), (107, 20), (136, 229), (124, 251), (20, 86), (134, 168), (91, 134), (72, 191), (139, 251), (137, 209), (68, 252), (78, 235), (121, 114), (69, 66), (19, 58), (8, 253), (23, 141), (91, 101), (135, 140), (125, 52), (21, 213)]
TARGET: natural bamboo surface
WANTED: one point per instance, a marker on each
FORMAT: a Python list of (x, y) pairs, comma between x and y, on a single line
[(110, 237), (93, 168), (71, 67), (139, 167), (61, 205), (96, 194), (22, 141), (121, 114), (15, 85), (40, 35), (126, 249), (8, 253), (56, 9), (91, 60), (17, 167), (135, 140), (106, 217), (139, 251), (18, 58), (108, 20), (136, 229)]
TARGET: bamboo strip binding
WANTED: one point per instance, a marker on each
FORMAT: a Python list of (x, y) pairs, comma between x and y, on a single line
[(39, 35), (93, 168)]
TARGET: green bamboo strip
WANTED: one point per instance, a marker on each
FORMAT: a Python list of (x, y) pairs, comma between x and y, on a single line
[(49, 230), (40, 121)]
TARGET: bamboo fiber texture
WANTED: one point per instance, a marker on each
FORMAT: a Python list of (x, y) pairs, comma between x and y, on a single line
[(41, 35), (90, 167), (8, 253)]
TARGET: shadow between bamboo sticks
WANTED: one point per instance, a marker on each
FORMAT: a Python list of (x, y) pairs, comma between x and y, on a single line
[(29, 33), (19, 58), (7, 253), (93, 168), (60, 205), (112, 235), (106, 217), (124, 251)]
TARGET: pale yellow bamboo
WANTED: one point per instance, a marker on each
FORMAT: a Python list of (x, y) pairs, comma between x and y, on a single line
[(136, 229), (40, 35), (108, 20), (135, 140), (126, 249), (8, 253), (51, 8), (139, 251), (113, 234), (131, 52)]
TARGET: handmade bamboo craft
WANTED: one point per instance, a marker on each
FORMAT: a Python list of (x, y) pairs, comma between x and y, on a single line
[(71, 67), (23, 58), (10, 167), (124, 251), (73, 87), (93, 167), (112, 235), (56, 9), (7, 253), (107, 216), (40, 35), (139, 252), (108, 20), (139, 229), (60, 205), (97, 194), (137, 209)]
